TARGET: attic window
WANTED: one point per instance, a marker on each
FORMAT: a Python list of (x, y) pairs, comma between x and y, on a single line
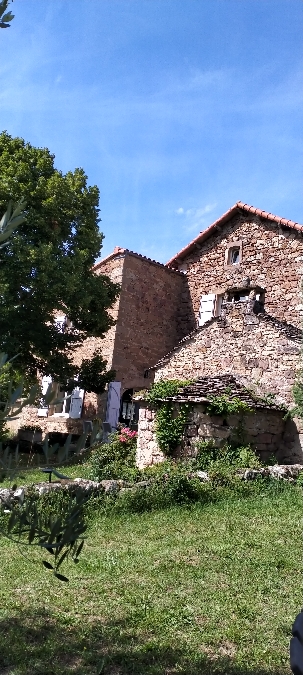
[(234, 255)]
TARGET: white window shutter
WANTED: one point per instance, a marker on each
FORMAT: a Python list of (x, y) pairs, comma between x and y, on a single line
[(113, 404), (43, 410), (76, 403), (207, 308)]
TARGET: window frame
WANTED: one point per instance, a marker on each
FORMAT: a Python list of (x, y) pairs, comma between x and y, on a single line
[(233, 245)]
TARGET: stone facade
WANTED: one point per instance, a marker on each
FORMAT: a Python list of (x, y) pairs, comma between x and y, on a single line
[(152, 313), (256, 346), (266, 431), (271, 256), (159, 305)]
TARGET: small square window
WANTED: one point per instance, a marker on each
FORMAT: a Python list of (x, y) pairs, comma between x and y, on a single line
[(234, 255)]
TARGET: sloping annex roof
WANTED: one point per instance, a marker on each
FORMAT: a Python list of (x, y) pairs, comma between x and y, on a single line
[(204, 388), (291, 332), (239, 206)]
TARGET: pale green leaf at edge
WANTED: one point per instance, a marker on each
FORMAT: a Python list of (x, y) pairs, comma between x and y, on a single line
[(7, 17)]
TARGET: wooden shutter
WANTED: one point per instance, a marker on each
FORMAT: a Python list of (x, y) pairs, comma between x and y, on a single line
[(43, 410), (113, 404), (207, 306), (76, 403)]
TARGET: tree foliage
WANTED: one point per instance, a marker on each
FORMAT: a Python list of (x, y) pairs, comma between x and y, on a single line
[(5, 17), (46, 266), (58, 534)]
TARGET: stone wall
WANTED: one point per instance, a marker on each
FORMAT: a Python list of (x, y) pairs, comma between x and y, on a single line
[(264, 430), (154, 314), (64, 425), (271, 257), (256, 346)]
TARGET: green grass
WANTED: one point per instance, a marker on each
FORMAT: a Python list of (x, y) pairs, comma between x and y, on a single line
[(194, 591), (29, 467)]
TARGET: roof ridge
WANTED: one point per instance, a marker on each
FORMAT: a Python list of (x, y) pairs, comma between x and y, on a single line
[(120, 251), (292, 332), (225, 217)]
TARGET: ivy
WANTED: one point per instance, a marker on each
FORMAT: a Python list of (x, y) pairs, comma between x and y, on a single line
[(223, 405), (297, 392), (164, 389), (169, 429), (168, 426)]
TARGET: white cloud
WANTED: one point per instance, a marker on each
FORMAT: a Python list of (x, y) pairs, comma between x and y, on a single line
[(195, 217)]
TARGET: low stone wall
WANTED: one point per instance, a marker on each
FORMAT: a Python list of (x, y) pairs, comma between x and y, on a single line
[(63, 425), (265, 430), (10, 497)]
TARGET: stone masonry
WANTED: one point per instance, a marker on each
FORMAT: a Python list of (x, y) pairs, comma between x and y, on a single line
[(152, 313), (262, 349), (271, 257), (159, 305), (265, 430)]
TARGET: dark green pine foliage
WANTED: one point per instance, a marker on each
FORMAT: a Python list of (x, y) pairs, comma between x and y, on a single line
[(47, 266)]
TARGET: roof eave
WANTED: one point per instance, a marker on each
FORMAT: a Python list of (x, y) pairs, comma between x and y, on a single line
[(239, 206)]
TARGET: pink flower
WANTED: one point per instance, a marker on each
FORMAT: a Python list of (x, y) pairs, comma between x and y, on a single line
[(126, 435)]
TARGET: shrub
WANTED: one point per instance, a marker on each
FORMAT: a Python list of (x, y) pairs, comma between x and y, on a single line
[(160, 494), (224, 405), (115, 459), (241, 456)]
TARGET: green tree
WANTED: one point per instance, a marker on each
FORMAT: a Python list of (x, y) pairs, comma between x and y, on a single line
[(46, 267), (57, 531)]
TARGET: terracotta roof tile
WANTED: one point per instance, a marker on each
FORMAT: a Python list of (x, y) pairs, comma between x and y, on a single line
[(120, 251), (239, 206)]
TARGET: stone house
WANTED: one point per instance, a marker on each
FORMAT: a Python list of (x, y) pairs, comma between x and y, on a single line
[(229, 302), (261, 424), (152, 314), (249, 355)]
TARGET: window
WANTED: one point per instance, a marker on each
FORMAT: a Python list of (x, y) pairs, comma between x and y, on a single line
[(129, 410), (234, 256), (238, 296), (69, 403), (63, 407)]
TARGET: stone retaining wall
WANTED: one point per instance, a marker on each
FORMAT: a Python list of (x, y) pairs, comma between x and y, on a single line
[(265, 430)]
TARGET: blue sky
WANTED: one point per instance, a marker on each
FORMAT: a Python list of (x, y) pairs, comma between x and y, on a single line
[(176, 109)]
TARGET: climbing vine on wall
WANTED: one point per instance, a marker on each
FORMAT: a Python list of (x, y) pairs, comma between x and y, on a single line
[(169, 427), (224, 405)]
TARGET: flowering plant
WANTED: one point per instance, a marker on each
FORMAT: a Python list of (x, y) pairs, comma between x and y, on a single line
[(126, 435)]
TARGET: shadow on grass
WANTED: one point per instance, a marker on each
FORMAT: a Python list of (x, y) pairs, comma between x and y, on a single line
[(40, 643)]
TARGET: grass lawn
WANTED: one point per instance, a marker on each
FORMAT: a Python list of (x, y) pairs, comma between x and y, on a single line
[(192, 591), (29, 471)]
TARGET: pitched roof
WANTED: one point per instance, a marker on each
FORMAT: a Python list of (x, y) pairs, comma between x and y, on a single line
[(239, 206), (291, 332), (235, 386), (118, 251)]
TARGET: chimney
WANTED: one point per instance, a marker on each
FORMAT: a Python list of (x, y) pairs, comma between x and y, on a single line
[(241, 305)]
